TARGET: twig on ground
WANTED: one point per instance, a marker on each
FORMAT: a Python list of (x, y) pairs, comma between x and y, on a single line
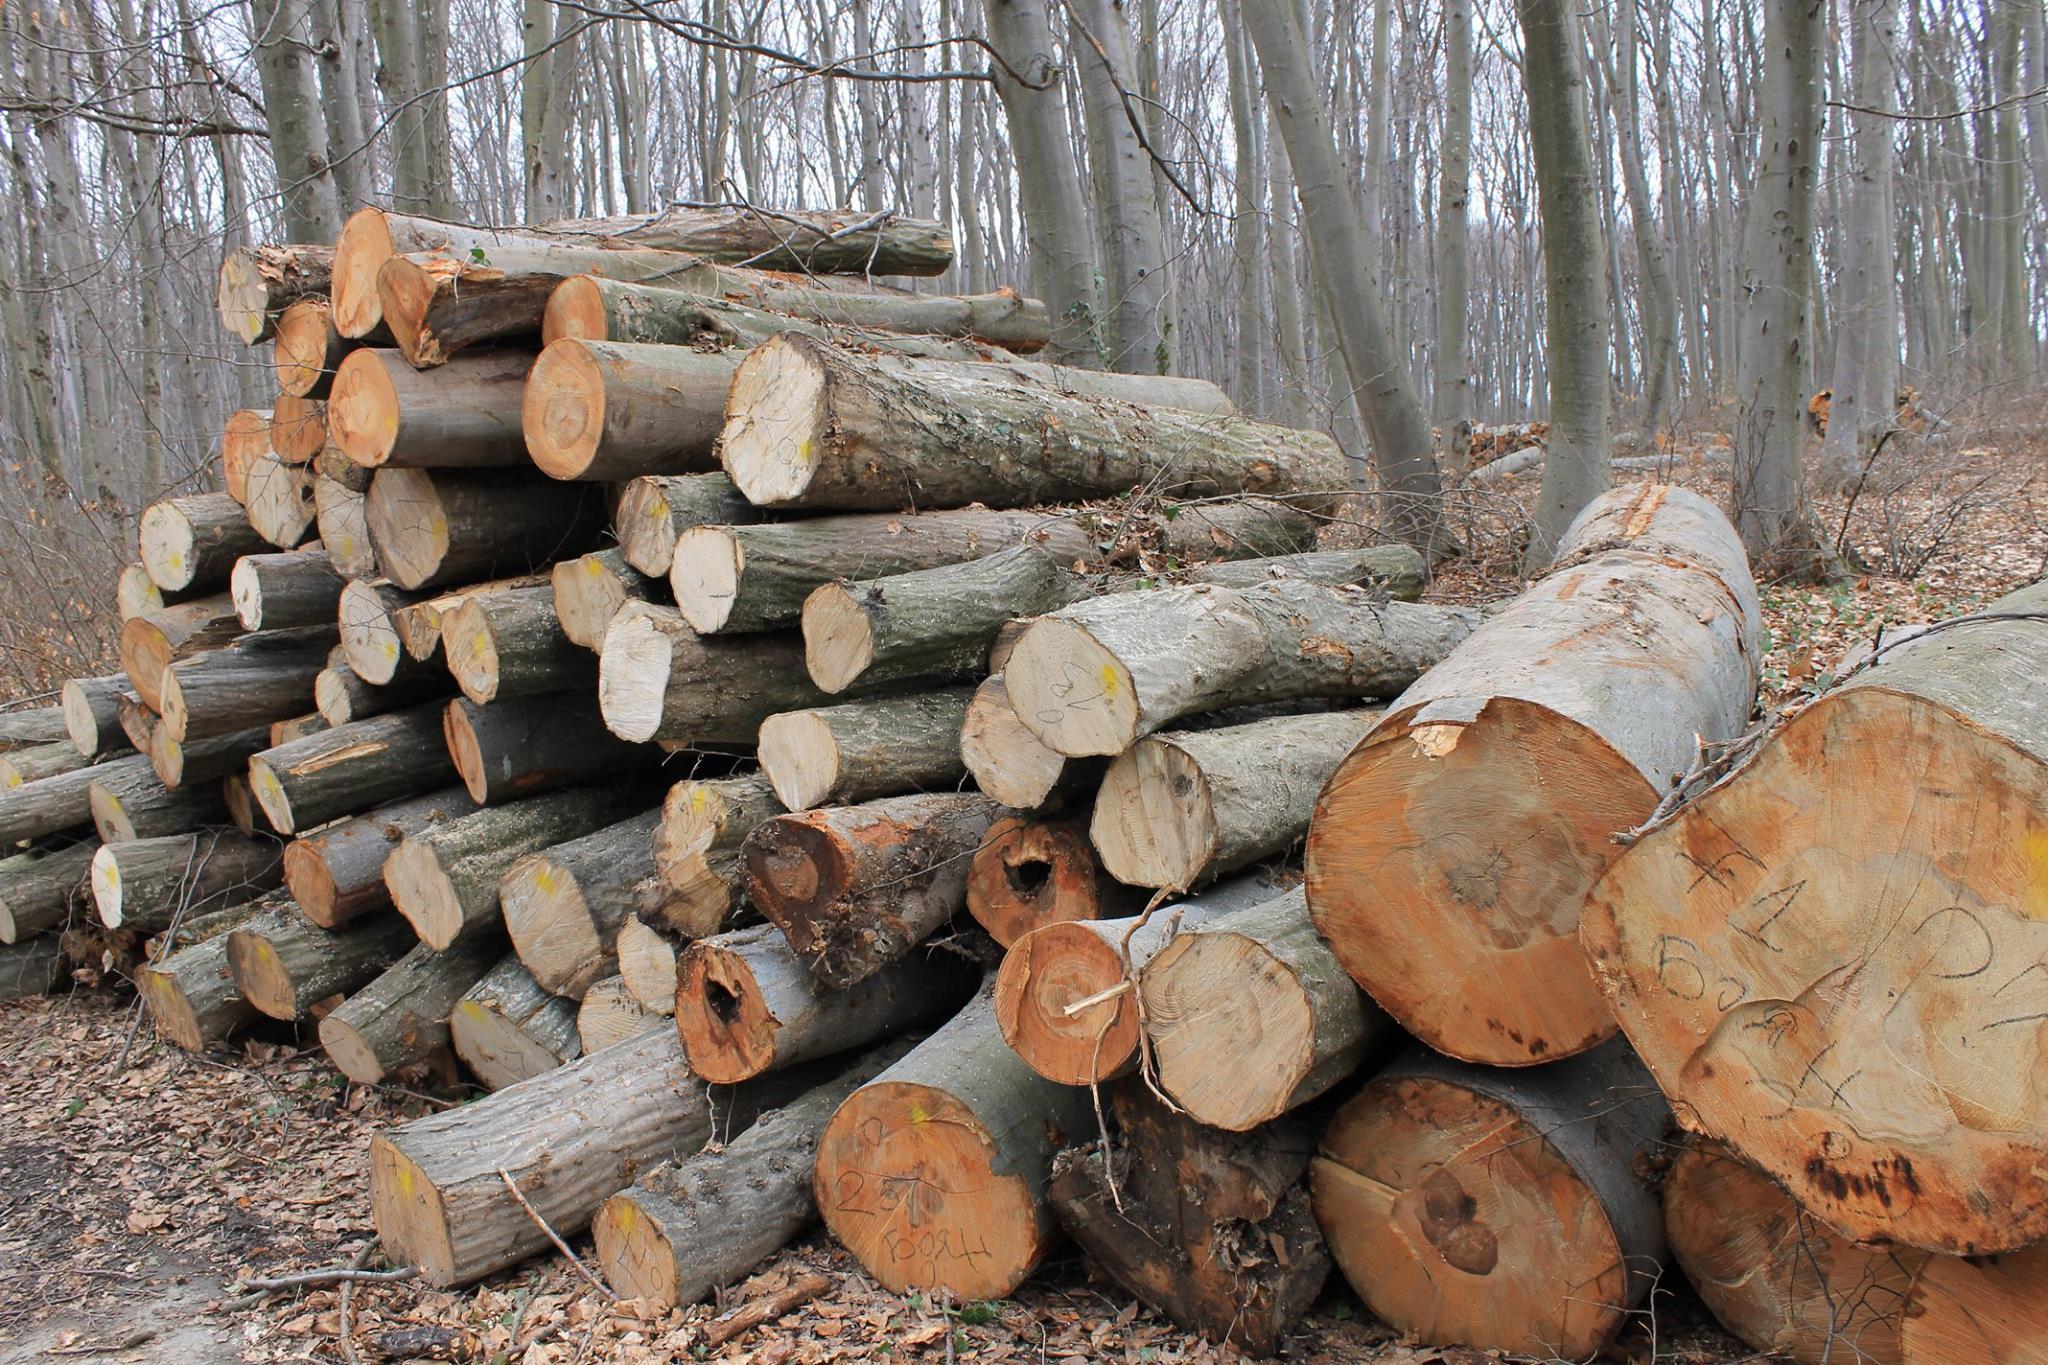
[(767, 1308)]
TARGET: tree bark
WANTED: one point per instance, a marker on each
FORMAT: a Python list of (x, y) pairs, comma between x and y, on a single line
[(40, 890), (1452, 407), (590, 590), (191, 544), (19, 766), (506, 1029), (609, 410), (564, 906), (1036, 870), (258, 678), (257, 283), (52, 805), (146, 885), (511, 644), (128, 803), (341, 697), (284, 964), (857, 887), (278, 591), (1451, 852), (1489, 1208), (402, 1017), (150, 644), (384, 414), (655, 509), (297, 123), (838, 755), (336, 874), (528, 745), (304, 784), (454, 528), (91, 710), (593, 308), (659, 680)]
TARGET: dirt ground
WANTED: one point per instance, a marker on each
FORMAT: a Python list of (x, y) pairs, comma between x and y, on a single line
[(142, 1189)]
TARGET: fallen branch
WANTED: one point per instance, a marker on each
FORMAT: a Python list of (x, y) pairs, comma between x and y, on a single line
[(531, 1212), (767, 1308)]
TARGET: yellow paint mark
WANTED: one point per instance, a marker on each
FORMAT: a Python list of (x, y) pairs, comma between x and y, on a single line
[(804, 451), (1109, 683), (919, 1114), (657, 508), (113, 871), (625, 1213), (2037, 857), (593, 568), (438, 528), (699, 798), (390, 651), (405, 1180), (177, 561), (545, 880)]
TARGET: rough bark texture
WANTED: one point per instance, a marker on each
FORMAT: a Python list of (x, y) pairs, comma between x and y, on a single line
[(857, 887), (564, 907), (61, 802), (135, 804), (591, 589), (462, 528), (1496, 1209), (1452, 851), (277, 591), (190, 996), (689, 1227), (191, 544), (91, 711), (257, 283), (342, 697), (593, 308), (384, 414), (976, 1130), (40, 890), (506, 1029), (655, 509), (1211, 1229), (259, 678), (1097, 677), (19, 766), (837, 755), (402, 1017), (284, 964), (746, 1004), (306, 783), (146, 885), (528, 745), (1032, 871), (615, 410), (808, 426), (511, 644), (336, 874), (1829, 960)]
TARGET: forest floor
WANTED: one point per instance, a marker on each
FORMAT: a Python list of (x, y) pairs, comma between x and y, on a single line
[(141, 1188)]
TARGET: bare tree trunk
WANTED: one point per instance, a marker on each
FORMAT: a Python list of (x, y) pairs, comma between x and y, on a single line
[(1247, 234), (298, 127), (1659, 292), (1574, 271), (337, 28), (1453, 398)]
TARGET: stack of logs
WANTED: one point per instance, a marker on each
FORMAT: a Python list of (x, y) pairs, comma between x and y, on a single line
[(703, 692)]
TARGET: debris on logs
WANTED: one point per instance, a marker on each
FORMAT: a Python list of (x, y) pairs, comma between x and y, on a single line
[(257, 283)]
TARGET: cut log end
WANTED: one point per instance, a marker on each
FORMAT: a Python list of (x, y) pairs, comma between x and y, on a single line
[(1029, 873), (1211, 995), (170, 1009), (311, 882), (421, 890), (471, 647), (1071, 691), (1007, 760), (1463, 852), (575, 309), (800, 756), (633, 685), (705, 576), (727, 1028), (552, 926), (359, 253), (466, 750), (408, 524), (639, 1259), (166, 540), (1154, 823), (368, 638), (270, 795), (363, 409), (299, 353), (564, 409), (105, 882), (265, 981), (246, 592), (243, 298), (409, 1210), (774, 415), (1044, 976), (405, 292), (351, 1053), (839, 639)]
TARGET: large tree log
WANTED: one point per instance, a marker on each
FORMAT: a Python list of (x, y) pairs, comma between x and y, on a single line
[(341, 697), (297, 588), (654, 510), (597, 309), (336, 873), (284, 964), (746, 1004), (178, 764), (605, 410), (1831, 959), (191, 997), (1452, 851), (91, 710), (298, 433), (564, 906), (836, 755), (1007, 760), (150, 644), (368, 614), (402, 1017), (974, 1131), (885, 433), (341, 515), (1251, 1015), (1030, 871), (454, 528), (857, 887), (386, 415), (1097, 677), (689, 1227), (530, 745), (1180, 808), (35, 967), (511, 644), (658, 679), (506, 1029), (306, 783), (257, 283), (39, 890), (647, 951), (590, 590), (191, 544), (148, 884), (259, 678), (128, 803), (1212, 1230), (1499, 1210), (609, 1015), (244, 439), (698, 815), (21, 766), (746, 578), (55, 804), (308, 349), (445, 879), (1064, 994)]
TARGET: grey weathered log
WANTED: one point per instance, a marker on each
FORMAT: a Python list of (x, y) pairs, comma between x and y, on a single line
[(145, 885), (306, 783), (91, 710), (527, 745), (41, 890), (506, 1029), (464, 527), (565, 905), (511, 644), (591, 589), (31, 968), (37, 725), (150, 644), (257, 679), (402, 1017), (341, 696), (257, 283), (336, 873), (281, 732), (296, 588), (55, 804), (32, 764), (135, 804), (284, 964), (385, 415), (656, 509), (838, 755), (178, 764), (190, 544)]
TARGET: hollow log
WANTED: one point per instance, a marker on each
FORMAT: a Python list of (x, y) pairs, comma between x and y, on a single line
[(445, 879), (20, 766), (1064, 994), (974, 1131), (308, 349), (658, 679), (178, 764), (1250, 1015), (1500, 1210), (244, 439), (647, 963), (35, 967), (129, 803), (657, 508), (284, 964), (1180, 808), (506, 1029), (342, 697), (191, 544), (336, 873), (298, 433), (838, 755), (1210, 1229), (146, 885), (1031, 871), (402, 1017), (386, 415), (306, 783), (297, 588), (565, 905), (1517, 760), (1097, 677), (528, 745), (1829, 959), (257, 284), (745, 1003), (590, 590), (609, 1015), (747, 578), (886, 433), (91, 708), (1007, 761), (511, 644), (39, 890), (605, 410), (431, 529), (259, 678), (55, 804), (689, 1227), (855, 888)]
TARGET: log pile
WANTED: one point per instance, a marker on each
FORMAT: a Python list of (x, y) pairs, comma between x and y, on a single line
[(703, 701)]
